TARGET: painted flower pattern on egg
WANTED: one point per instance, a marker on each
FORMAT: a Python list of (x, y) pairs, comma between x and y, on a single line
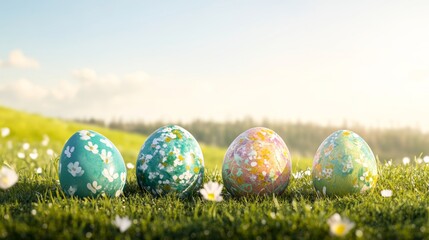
[(90, 165), (344, 164), (170, 161), (257, 162)]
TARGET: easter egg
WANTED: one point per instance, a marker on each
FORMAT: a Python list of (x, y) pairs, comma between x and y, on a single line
[(257, 162), (90, 165), (170, 161), (344, 164)]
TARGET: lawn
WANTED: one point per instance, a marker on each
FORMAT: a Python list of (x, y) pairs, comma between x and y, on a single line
[(36, 208)]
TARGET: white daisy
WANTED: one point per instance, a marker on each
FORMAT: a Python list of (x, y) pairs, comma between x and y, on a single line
[(26, 146), (212, 191), (5, 132), (45, 140), (8, 177), (406, 160), (50, 152), (34, 155), (122, 223), (339, 226), (21, 155), (386, 193)]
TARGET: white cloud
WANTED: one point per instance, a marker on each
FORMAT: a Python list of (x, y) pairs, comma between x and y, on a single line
[(86, 93), (24, 89), (64, 90), (17, 59), (86, 75)]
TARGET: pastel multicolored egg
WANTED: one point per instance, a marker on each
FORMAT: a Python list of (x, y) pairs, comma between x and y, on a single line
[(344, 164), (90, 165), (170, 161), (257, 162)]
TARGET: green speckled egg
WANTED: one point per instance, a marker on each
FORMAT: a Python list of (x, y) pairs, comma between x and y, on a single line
[(344, 164), (91, 165), (170, 161)]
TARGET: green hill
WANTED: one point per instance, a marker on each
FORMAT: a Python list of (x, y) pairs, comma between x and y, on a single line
[(32, 128)]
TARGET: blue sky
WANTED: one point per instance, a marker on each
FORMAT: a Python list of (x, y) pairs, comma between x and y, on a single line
[(317, 61)]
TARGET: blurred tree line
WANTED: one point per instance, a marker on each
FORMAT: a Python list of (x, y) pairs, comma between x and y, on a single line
[(301, 138)]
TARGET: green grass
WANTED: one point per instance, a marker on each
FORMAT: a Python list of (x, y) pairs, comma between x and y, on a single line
[(36, 208)]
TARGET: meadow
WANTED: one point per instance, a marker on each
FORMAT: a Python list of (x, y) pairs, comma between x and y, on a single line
[(36, 207)]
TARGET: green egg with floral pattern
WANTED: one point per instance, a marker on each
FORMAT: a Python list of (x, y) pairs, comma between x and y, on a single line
[(344, 164), (90, 165), (170, 162)]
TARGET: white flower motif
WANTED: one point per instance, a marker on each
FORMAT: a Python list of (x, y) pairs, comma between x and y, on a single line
[(8, 177), (69, 150), (155, 141), (386, 193), (110, 174), (406, 160), (106, 156), (130, 165), (122, 223), (86, 135), (123, 177), (162, 152), (253, 177), (38, 170), (75, 170), (72, 190), (167, 129), (118, 193), (178, 162), (186, 175), (212, 191), (93, 187), (5, 132), (426, 159), (143, 167), (328, 172), (148, 157), (176, 151), (339, 226), (153, 175), (106, 142), (307, 172), (92, 147)]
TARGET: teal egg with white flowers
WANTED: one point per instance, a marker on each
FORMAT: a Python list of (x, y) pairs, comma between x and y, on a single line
[(90, 165), (170, 161)]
